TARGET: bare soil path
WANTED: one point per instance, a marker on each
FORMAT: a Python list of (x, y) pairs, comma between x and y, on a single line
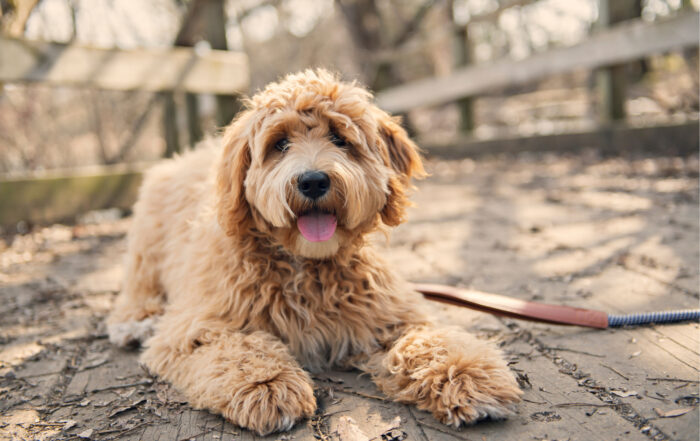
[(619, 235)]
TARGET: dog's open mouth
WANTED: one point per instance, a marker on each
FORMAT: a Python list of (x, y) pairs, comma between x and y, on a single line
[(316, 225)]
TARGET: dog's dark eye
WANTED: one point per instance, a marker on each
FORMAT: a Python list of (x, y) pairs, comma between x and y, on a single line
[(337, 140), (282, 145)]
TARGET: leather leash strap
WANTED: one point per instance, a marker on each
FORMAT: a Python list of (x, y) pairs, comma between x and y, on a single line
[(512, 307)]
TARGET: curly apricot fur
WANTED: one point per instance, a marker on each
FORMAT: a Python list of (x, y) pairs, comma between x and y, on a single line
[(245, 305)]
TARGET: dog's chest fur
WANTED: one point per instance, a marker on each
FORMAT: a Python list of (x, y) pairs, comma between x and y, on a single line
[(327, 312)]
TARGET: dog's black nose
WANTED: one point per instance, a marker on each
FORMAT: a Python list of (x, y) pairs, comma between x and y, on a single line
[(314, 184)]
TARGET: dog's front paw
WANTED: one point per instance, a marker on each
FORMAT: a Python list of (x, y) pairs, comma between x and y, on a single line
[(464, 392), (131, 333), (272, 404), (450, 373)]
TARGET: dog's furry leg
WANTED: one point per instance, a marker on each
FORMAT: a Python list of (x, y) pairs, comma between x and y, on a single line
[(447, 372), (142, 295), (251, 379), (132, 318)]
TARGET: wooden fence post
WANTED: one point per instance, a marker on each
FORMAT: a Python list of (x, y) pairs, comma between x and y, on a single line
[(194, 127), (611, 81), (462, 57), (215, 31), (172, 138)]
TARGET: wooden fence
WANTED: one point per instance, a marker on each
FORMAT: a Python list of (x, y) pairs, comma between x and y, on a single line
[(59, 196), (626, 42), (605, 51), (51, 198)]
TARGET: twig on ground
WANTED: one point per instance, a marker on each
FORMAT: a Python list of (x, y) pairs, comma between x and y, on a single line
[(655, 398), (40, 375), (43, 424), (206, 432), (362, 394), (551, 348), (585, 405), (442, 430), (678, 380), (125, 431), (145, 382), (319, 424), (616, 371)]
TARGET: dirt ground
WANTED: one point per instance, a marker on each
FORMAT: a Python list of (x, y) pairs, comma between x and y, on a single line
[(620, 235)]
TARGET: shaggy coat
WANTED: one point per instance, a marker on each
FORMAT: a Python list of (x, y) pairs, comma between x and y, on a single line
[(245, 303)]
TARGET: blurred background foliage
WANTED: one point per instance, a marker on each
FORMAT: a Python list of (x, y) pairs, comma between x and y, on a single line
[(380, 43)]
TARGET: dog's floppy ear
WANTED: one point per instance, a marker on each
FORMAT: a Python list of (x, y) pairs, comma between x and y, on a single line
[(404, 158), (233, 211)]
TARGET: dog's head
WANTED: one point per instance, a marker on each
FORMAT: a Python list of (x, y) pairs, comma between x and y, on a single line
[(313, 164)]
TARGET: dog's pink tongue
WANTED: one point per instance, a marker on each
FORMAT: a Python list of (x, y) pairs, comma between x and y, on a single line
[(316, 226)]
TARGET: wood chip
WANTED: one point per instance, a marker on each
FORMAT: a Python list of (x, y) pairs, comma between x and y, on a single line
[(68, 424), (95, 362), (624, 394), (123, 409), (86, 434)]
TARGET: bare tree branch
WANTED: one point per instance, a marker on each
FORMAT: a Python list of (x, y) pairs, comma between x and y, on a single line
[(18, 19), (96, 119), (246, 12), (358, 14), (135, 132), (415, 22)]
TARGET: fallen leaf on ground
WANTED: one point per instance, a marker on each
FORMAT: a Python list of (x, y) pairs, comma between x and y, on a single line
[(349, 431), (672, 413)]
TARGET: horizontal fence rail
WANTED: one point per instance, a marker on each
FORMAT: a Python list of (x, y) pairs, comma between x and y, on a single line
[(154, 70), (60, 196), (625, 42), (677, 140)]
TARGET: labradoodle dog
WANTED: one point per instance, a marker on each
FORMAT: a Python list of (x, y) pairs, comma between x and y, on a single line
[(251, 259)]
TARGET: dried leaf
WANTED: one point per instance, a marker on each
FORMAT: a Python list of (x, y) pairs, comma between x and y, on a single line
[(348, 430), (672, 413), (395, 423)]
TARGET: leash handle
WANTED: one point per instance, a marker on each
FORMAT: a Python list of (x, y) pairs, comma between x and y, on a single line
[(512, 307)]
